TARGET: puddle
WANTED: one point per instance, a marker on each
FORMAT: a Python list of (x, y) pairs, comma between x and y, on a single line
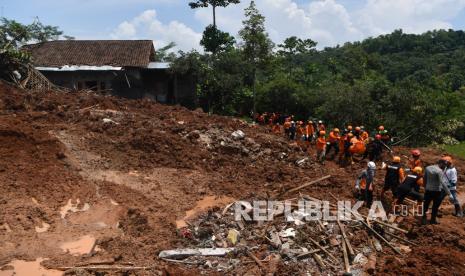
[(80, 247), (24, 268), (202, 206), (73, 207), (44, 228)]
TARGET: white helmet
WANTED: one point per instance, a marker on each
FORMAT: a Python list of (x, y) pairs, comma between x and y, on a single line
[(320, 122), (371, 165)]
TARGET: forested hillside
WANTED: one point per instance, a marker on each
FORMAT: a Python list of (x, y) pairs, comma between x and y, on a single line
[(413, 84)]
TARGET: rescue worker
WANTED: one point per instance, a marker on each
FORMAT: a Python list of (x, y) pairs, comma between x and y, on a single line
[(349, 129), (415, 161), (276, 128), (365, 184), (287, 126), (394, 176), (333, 142), (357, 132), (377, 149), (321, 126), (292, 131), (309, 131), (385, 137), (299, 132), (435, 183), (411, 186), (347, 154), (341, 148), (321, 147), (364, 135), (451, 175)]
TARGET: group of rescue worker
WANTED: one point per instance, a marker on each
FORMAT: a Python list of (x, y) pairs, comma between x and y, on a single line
[(329, 144), (425, 185)]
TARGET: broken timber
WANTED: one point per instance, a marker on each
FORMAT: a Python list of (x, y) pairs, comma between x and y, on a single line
[(306, 185)]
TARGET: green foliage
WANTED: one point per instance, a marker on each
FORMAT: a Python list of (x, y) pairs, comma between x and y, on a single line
[(457, 149), (214, 4), (412, 84), (215, 41), (165, 54), (13, 35)]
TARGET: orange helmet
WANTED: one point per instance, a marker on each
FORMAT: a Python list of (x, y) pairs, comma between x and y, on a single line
[(350, 135), (396, 159), (349, 127), (358, 128), (418, 170), (378, 137), (381, 128), (322, 133), (416, 152)]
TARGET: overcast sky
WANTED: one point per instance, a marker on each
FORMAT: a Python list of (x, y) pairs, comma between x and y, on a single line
[(329, 22)]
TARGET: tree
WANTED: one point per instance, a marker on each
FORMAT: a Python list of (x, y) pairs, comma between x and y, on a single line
[(215, 41), (256, 45), (214, 3), (292, 48), (14, 35), (163, 54)]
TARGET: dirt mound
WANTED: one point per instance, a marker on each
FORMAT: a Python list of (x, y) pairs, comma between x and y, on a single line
[(123, 173)]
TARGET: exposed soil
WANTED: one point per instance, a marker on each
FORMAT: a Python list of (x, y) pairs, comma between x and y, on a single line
[(88, 178)]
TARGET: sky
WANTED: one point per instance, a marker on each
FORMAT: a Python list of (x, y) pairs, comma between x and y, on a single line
[(328, 22)]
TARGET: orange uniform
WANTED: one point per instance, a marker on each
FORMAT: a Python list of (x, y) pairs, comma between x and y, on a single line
[(333, 137), (412, 163), (364, 136), (287, 125), (309, 130), (321, 143), (276, 129)]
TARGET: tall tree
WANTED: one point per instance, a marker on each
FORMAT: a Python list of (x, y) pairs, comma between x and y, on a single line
[(214, 3), (256, 45), (293, 47)]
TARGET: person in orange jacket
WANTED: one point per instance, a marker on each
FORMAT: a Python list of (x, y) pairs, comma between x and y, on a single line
[(415, 161), (287, 127), (333, 142), (321, 126), (309, 132), (276, 128), (299, 132), (394, 176), (321, 147), (364, 135)]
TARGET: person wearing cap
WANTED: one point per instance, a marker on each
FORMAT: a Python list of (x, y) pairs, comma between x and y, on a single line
[(411, 186), (365, 183), (364, 134), (321, 126), (292, 131), (333, 142), (435, 185), (347, 154), (309, 132), (394, 176), (451, 175)]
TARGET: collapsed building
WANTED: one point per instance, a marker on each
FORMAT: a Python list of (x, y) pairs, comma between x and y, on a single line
[(126, 68)]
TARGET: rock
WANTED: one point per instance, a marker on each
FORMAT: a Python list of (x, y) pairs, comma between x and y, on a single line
[(238, 135), (377, 245), (404, 248), (109, 121), (301, 161)]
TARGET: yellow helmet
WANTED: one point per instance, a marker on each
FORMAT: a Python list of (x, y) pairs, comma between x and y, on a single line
[(418, 170), (396, 159), (336, 130)]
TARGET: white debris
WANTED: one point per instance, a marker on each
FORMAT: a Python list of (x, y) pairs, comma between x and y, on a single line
[(286, 233), (184, 253), (238, 135), (109, 121)]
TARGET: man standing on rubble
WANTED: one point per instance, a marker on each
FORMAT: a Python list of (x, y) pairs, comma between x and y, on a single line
[(365, 184), (333, 142), (394, 176), (435, 184), (451, 175), (321, 147)]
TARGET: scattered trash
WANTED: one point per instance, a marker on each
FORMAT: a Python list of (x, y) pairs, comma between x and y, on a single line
[(180, 254), (109, 121), (289, 232), (301, 161), (233, 236)]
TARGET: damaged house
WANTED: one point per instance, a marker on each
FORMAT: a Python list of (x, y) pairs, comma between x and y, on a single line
[(125, 68)]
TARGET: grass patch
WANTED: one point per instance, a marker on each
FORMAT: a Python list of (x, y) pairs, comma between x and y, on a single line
[(458, 149)]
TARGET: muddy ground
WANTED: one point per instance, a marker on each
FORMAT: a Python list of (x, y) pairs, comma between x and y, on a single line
[(88, 178)]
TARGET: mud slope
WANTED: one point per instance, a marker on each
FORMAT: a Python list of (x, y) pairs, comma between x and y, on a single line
[(88, 179)]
